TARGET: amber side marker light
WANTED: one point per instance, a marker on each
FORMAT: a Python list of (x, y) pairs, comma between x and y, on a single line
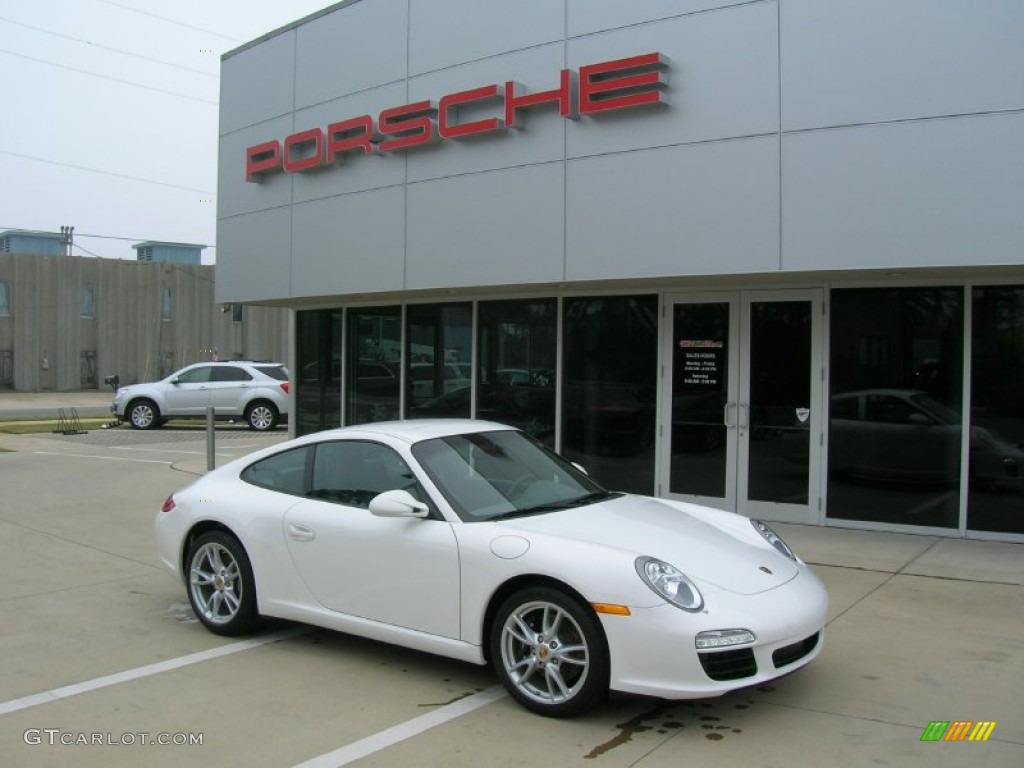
[(611, 608)]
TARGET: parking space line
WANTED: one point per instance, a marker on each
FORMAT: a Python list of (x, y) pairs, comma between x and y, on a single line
[(162, 450), (93, 456), (26, 702), (391, 736)]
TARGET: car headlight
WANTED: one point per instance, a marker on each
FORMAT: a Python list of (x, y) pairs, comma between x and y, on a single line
[(773, 538), (671, 583)]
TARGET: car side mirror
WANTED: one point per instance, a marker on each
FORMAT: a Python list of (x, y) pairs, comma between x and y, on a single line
[(175, 382), (397, 504), (919, 419)]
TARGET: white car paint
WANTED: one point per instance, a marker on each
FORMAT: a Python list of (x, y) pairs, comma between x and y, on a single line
[(429, 583)]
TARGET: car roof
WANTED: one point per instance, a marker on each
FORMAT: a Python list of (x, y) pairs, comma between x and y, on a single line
[(412, 430), (880, 391), (233, 362)]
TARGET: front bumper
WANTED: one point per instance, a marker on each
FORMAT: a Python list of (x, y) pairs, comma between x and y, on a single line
[(653, 650)]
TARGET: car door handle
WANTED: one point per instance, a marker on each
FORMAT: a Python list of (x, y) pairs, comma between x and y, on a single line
[(301, 532)]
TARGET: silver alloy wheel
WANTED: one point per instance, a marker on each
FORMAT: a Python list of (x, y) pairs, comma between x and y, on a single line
[(261, 417), (544, 652), (142, 415), (216, 583)]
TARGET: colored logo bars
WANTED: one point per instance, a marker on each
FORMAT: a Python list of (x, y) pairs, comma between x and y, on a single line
[(958, 730)]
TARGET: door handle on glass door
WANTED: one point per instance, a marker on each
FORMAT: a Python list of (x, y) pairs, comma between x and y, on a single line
[(725, 415)]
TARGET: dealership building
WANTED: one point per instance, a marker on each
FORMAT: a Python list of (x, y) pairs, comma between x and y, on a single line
[(766, 256)]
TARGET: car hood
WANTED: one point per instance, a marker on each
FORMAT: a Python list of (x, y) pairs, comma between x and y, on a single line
[(129, 389), (646, 526)]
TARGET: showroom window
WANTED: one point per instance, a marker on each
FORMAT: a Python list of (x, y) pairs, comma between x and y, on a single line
[(996, 477), (318, 378), (374, 364), (439, 349), (5, 297), (896, 399), (609, 390), (517, 361)]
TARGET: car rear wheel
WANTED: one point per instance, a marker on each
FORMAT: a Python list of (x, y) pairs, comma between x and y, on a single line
[(221, 587), (261, 416), (549, 651), (143, 414)]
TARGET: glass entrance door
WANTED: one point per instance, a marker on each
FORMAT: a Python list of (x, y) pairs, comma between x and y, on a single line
[(742, 406)]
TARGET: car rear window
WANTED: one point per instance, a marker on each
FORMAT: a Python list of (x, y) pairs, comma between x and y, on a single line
[(278, 372), (284, 472)]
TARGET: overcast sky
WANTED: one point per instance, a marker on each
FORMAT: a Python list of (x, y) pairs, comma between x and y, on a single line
[(73, 100)]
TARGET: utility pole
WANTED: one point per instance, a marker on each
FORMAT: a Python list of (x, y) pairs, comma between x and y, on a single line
[(67, 239)]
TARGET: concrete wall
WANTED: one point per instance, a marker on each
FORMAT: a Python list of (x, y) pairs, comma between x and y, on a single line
[(47, 333), (801, 135)]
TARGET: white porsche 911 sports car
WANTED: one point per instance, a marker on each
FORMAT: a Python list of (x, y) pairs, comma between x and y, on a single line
[(472, 540)]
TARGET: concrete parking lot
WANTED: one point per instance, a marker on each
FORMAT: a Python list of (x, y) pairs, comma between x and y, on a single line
[(102, 657)]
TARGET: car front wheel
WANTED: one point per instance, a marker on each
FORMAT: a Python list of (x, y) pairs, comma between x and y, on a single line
[(143, 414), (549, 651), (261, 416), (221, 587)]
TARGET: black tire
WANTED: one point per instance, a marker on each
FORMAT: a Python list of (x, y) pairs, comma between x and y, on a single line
[(261, 415), (220, 583), (549, 651), (143, 414)]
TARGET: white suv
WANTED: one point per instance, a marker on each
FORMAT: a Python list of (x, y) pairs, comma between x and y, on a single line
[(257, 392)]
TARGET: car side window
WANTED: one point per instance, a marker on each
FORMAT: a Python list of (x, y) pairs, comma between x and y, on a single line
[(195, 375), (230, 373), (352, 472), (888, 410), (284, 472)]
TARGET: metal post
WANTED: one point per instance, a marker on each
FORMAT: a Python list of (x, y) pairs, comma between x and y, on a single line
[(211, 461)]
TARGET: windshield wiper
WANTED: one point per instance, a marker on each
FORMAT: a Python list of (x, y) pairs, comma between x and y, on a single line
[(579, 501)]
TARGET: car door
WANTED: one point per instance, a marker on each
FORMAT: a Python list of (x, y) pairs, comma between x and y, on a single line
[(399, 571), (229, 385), (188, 393)]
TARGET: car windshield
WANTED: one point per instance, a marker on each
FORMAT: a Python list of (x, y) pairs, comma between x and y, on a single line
[(492, 475), (945, 414)]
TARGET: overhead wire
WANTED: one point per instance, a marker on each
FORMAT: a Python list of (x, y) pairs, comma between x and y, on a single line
[(105, 173), (124, 82), (108, 77), (170, 21), (103, 47)]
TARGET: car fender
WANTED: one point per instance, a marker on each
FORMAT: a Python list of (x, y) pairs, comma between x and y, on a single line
[(599, 574)]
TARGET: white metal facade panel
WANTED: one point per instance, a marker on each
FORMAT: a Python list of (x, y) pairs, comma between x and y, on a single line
[(487, 228), (708, 208), (540, 139), (236, 195), (259, 245), (921, 193), (723, 80), (448, 32), (257, 84), (361, 47), (345, 245), (588, 16), (358, 172), (690, 188), (851, 62)]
